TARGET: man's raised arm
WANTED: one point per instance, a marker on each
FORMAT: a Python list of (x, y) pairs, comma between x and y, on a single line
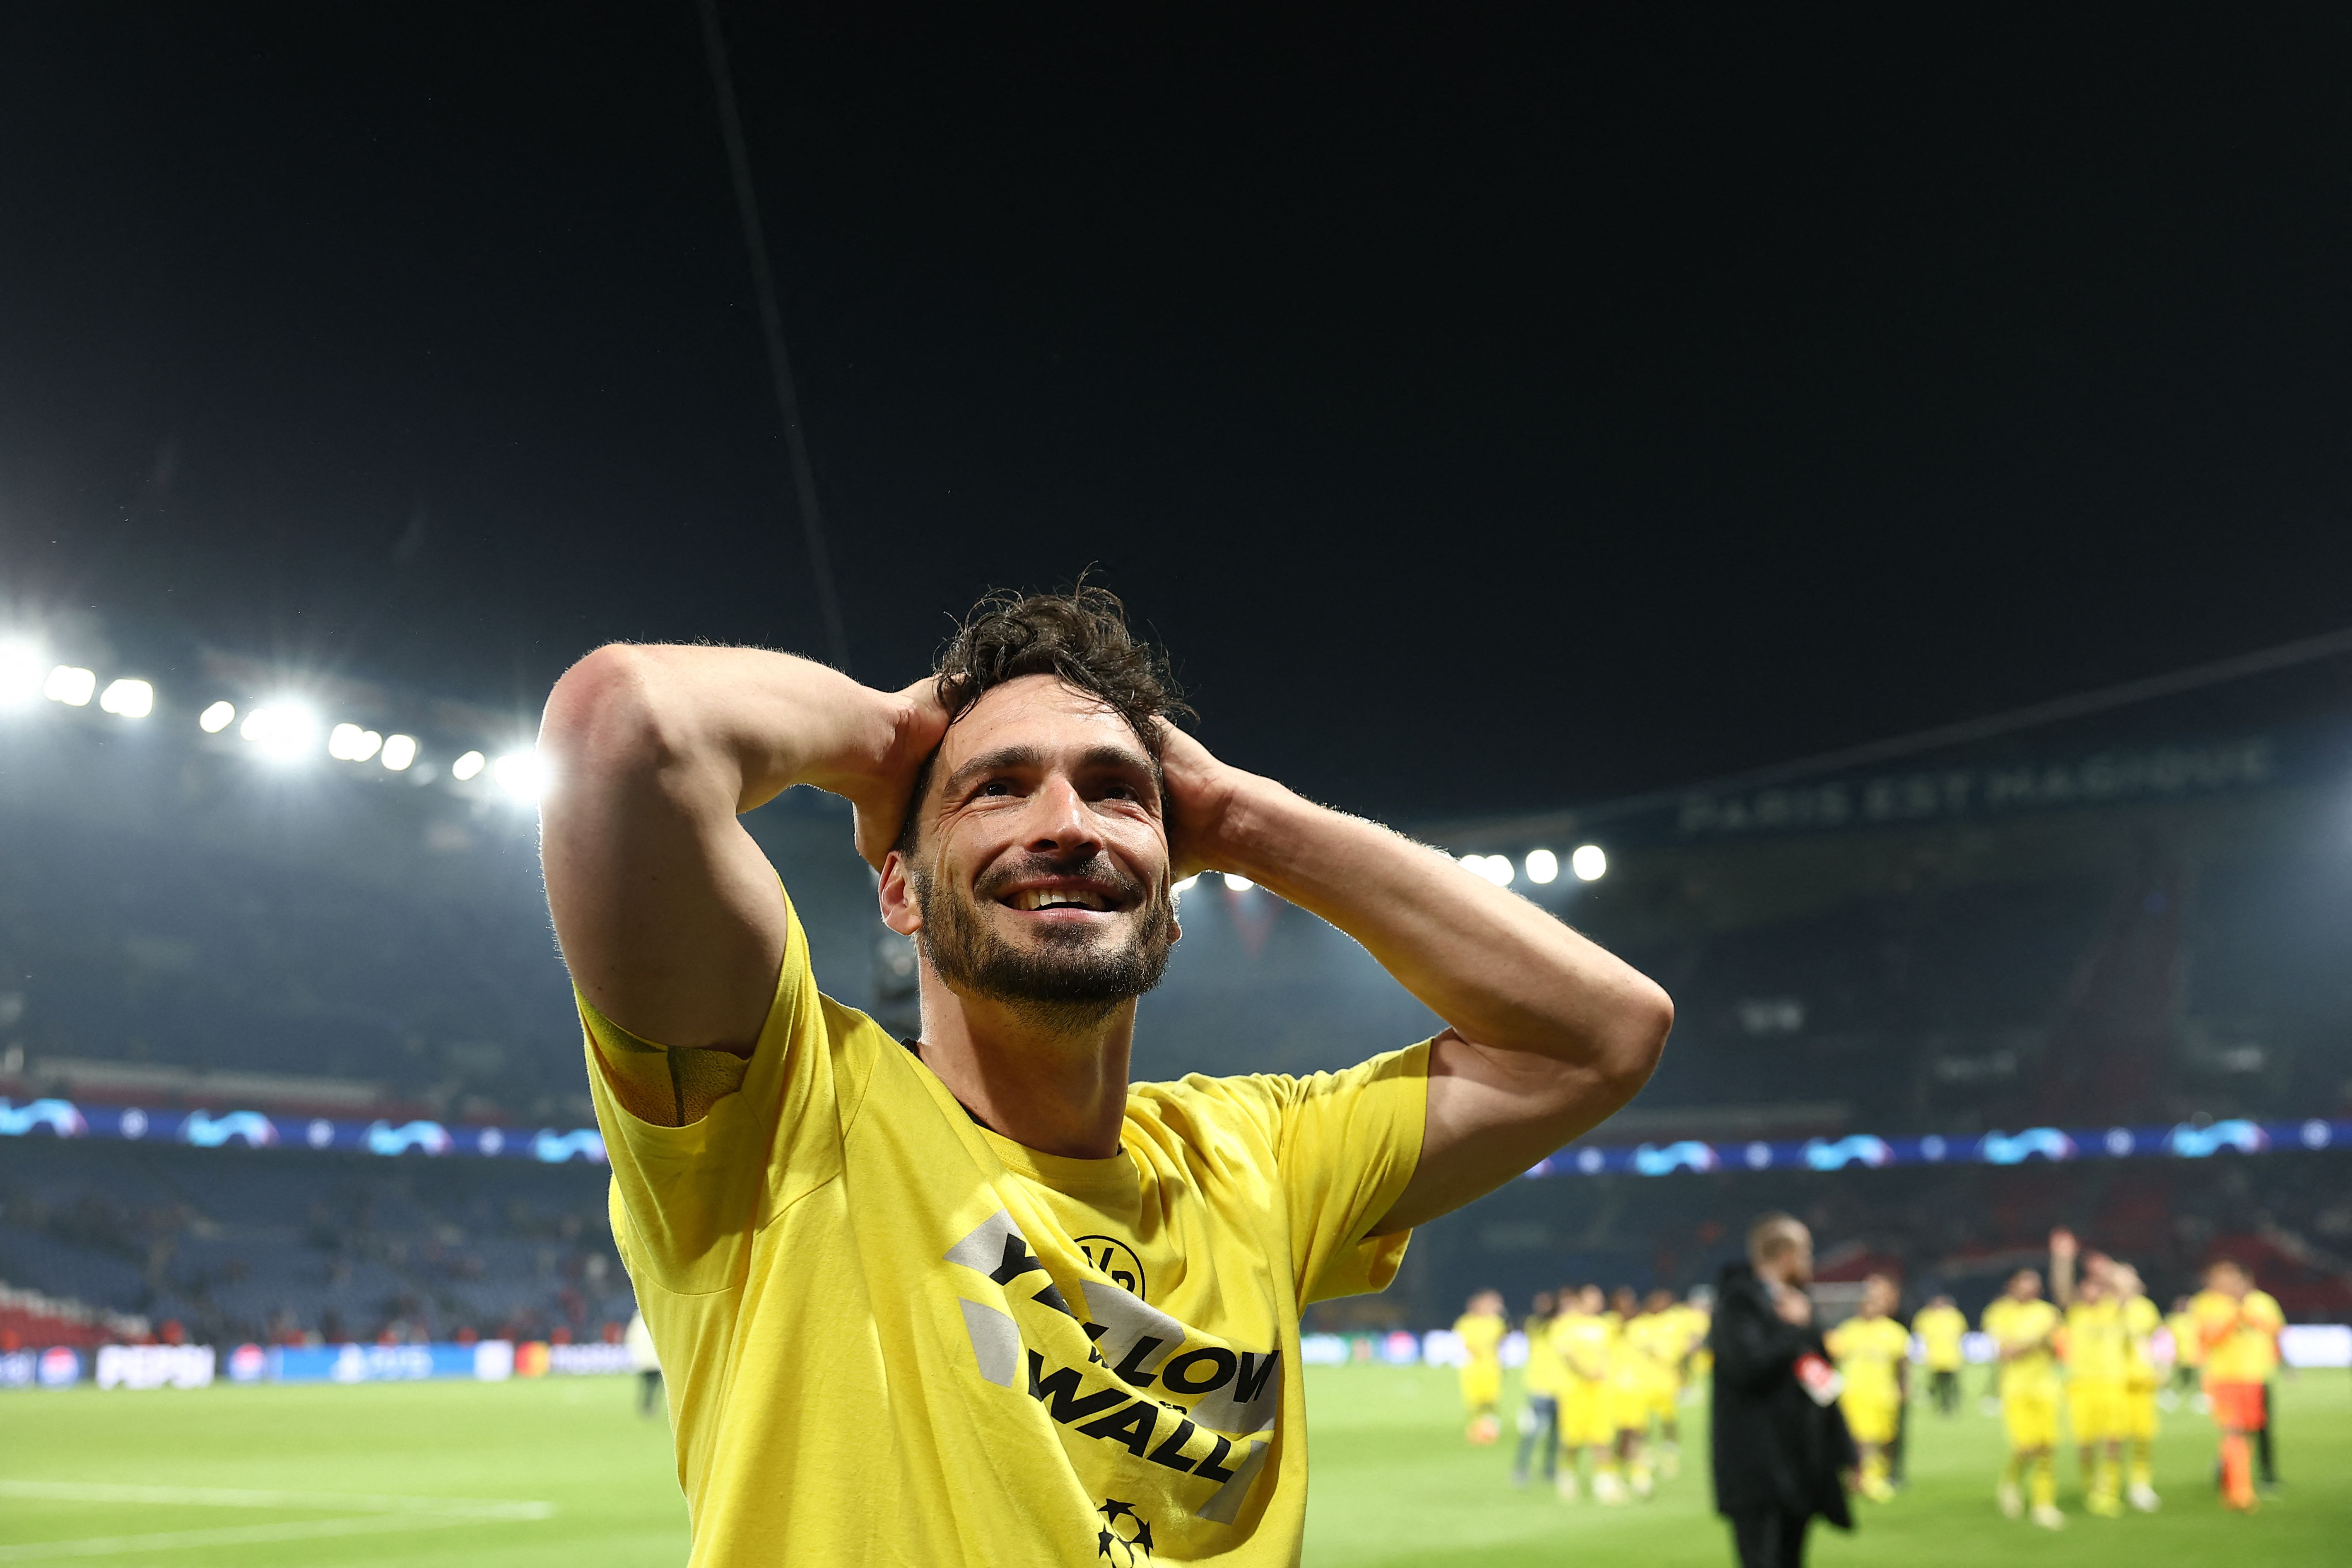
[(1548, 1034), (669, 915)]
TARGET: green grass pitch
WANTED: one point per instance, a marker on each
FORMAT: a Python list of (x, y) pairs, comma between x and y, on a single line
[(563, 1472)]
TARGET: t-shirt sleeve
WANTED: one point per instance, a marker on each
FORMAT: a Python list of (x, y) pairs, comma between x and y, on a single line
[(707, 1145), (1346, 1144)]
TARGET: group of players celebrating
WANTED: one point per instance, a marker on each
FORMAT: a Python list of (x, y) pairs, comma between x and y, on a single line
[(1605, 1378), (1605, 1382), (2103, 1332)]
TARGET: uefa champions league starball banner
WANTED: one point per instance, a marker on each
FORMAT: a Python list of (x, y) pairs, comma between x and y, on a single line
[(1860, 1150), (1863, 1150), (252, 1130)]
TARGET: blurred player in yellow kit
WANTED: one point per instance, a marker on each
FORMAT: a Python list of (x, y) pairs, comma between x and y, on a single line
[(1481, 1328), (1539, 1413), (2143, 1374), (1872, 1352), (1581, 1336), (1941, 1327), (2187, 1347), (1633, 1375), (1662, 1334), (2021, 1326), (1699, 1311), (2239, 1327), (2091, 1342)]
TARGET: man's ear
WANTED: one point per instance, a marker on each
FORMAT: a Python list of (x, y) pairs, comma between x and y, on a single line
[(900, 911)]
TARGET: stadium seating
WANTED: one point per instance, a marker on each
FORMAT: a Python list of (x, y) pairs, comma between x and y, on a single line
[(237, 1244)]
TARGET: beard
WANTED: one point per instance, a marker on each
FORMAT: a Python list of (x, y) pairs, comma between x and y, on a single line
[(1071, 977)]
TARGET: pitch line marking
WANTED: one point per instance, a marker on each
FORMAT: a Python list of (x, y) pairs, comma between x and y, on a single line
[(376, 1513)]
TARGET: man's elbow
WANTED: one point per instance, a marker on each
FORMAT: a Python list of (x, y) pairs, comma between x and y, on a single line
[(1635, 1039), (603, 715)]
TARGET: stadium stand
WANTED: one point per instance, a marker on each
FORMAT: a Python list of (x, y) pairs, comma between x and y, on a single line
[(265, 1246), (2147, 922)]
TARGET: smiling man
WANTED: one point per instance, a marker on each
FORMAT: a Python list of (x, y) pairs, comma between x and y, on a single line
[(975, 1298)]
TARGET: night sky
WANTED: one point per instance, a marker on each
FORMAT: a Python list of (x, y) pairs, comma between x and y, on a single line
[(1491, 412)]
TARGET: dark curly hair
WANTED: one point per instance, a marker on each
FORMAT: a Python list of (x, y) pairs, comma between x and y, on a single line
[(1080, 638)]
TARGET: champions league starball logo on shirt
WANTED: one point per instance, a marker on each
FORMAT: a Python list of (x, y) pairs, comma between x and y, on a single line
[(1125, 1537)]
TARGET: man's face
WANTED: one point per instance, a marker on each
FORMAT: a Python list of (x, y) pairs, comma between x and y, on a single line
[(2024, 1285), (1878, 1298), (1040, 871), (1798, 1270)]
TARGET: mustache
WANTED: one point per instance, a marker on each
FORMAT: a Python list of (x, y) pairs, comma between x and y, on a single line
[(1099, 868)]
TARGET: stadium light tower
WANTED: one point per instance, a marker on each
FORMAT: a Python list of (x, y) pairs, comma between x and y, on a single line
[(217, 718), (349, 743), (1543, 867), (128, 698), (285, 731), (1590, 863), (522, 775), (1238, 884), (466, 766), (72, 685), (399, 751), (22, 666)]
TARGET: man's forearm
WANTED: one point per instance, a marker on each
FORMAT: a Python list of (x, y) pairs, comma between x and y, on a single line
[(1499, 970), (746, 722)]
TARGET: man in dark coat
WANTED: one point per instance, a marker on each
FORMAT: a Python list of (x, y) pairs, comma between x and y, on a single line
[(1781, 1449)]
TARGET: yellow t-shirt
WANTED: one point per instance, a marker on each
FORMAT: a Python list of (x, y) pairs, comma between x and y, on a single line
[(2013, 1322), (894, 1337), (1581, 1342), (1544, 1372), (2094, 1342), (1655, 1340), (1867, 1351), (1940, 1331), (1693, 1324), (1482, 1337), (2188, 1345), (2241, 1338), (2141, 1320)]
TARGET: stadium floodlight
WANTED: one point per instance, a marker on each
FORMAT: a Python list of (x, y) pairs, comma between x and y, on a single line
[(284, 731), (522, 775), (399, 751), (1543, 867), (1237, 883), (21, 669), (128, 698), (466, 766), (1186, 885), (1495, 869), (72, 685), (217, 718), (349, 743), (1590, 863)]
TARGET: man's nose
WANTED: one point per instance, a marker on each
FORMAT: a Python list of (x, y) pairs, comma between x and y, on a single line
[(1060, 823)]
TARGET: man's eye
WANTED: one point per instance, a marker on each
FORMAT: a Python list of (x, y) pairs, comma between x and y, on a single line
[(996, 787)]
